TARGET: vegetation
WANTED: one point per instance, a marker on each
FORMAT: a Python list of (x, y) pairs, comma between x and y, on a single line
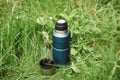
[(25, 37)]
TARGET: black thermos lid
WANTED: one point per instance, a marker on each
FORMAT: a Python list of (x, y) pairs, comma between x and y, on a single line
[(61, 25)]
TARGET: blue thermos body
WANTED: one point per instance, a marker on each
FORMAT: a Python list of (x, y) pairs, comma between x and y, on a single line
[(61, 43)]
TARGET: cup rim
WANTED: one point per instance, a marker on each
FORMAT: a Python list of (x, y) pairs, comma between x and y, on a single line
[(46, 63)]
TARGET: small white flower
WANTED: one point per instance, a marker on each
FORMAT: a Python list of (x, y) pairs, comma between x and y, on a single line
[(17, 17)]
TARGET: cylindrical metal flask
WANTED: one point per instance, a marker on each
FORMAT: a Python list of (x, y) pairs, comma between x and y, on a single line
[(61, 43)]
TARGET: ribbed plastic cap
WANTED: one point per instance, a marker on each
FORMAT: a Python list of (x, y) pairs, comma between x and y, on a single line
[(61, 25)]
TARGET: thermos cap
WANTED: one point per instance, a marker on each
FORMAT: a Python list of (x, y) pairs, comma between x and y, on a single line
[(46, 63), (47, 67), (61, 25)]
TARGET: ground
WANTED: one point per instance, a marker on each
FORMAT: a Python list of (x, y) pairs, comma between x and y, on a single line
[(26, 37)]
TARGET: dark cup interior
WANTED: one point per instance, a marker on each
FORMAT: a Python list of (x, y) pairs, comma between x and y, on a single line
[(46, 63)]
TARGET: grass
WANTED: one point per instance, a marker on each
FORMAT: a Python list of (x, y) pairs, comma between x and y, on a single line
[(25, 37)]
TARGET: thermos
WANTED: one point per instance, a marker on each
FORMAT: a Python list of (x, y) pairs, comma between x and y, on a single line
[(61, 43)]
